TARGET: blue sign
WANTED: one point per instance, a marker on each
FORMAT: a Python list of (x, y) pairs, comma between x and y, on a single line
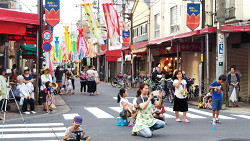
[(221, 48), (193, 15), (47, 46)]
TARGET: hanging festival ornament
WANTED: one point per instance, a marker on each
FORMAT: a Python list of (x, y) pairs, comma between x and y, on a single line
[(67, 39), (57, 46), (93, 24), (112, 22), (64, 50), (82, 48)]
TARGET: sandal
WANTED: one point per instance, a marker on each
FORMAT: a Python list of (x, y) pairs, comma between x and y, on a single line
[(218, 121), (186, 121), (178, 120)]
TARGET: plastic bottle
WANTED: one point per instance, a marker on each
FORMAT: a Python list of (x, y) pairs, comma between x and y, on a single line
[(213, 125)]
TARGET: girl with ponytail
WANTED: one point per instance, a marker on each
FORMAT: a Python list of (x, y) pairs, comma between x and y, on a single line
[(126, 107)]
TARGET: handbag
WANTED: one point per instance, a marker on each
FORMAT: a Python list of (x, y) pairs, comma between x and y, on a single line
[(123, 114), (53, 106), (97, 80)]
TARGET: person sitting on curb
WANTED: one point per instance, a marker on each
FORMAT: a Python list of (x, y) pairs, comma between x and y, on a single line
[(70, 135)]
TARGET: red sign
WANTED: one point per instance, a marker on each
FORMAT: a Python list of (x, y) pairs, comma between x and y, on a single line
[(47, 46), (47, 36), (52, 12)]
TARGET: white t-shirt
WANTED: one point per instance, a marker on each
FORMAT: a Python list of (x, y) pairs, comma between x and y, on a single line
[(181, 88), (22, 88), (125, 102), (44, 79), (91, 75)]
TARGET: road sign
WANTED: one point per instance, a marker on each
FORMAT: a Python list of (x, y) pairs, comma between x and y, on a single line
[(47, 46), (47, 36)]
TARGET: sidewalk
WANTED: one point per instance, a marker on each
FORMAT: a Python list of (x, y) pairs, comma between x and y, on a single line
[(13, 114), (244, 107)]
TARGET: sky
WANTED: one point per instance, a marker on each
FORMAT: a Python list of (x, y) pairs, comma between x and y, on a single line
[(69, 14)]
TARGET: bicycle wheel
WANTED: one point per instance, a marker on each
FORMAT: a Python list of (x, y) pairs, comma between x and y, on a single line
[(171, 96), (114, 82)]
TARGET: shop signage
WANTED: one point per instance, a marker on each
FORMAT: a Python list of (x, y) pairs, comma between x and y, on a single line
[(52, 12), (104, 46), (193, 15), (221, 45), (126, 38), (47, 46), (47, 36)]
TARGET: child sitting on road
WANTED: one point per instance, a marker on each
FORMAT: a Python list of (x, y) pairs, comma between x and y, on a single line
[(69, 86), (72, 131), (158, 112), (216, 86), (50, 98), (126, 107)]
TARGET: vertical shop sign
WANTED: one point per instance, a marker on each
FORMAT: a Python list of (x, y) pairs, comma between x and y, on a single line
[(126, 38)]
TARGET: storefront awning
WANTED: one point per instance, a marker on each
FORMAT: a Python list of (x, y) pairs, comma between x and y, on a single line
[(125, 48), (100, 53), (14, 22), (139, 45), (229, 29), (187, 34), (113, 55), (28, 51), (140, 50)]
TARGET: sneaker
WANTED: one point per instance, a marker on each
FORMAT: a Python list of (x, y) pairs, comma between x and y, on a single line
[(134, 133), (186, 121), (131, 125), (218, 121), (27, 113), (33, 112), (48, 112), (178, 120)]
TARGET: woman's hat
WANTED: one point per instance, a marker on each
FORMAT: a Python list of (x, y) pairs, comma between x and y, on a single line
[(26, 68), (45, 68)]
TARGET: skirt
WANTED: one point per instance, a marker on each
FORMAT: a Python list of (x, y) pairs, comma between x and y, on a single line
[(180, 104), (91, 86)]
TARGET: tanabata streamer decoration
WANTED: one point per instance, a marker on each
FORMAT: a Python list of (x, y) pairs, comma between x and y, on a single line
[(74, 48), (57, 46), (112, 21), (82, 48), (93, 24), (67, 39), (64, 50)]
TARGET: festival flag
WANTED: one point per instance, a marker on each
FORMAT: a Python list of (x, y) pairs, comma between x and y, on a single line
[(52, 12), (193, 15), (67, 39), (112, 22), (93, 24), (57, 46)]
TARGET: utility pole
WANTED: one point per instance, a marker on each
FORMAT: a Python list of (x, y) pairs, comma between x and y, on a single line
[(122, 52), (202, 48), (39, 49), (221, 45)]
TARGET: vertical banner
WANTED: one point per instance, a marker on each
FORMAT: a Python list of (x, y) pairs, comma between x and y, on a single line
[(193, 15), (125, 38), (104, 47), (52, 12)]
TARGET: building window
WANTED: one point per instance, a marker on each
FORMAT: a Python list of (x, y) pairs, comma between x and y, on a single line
[(157, 25), (174, 19), (135, 32), (144, 29), (230, 9)]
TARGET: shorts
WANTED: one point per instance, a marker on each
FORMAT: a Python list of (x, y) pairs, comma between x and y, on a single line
[(59, 83), (180, 104), (216, 104), (43, 96)]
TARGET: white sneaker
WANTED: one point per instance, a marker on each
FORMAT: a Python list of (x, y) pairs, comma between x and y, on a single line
[(27, 113), (33, 112)]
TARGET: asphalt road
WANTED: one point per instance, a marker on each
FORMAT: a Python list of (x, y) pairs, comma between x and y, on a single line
[(99, 122)]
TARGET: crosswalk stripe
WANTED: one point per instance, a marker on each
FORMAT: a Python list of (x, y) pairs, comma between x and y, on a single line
[(70, 116), (34, 135), (188, 114), (98, 112), (126, 97), (33, 129), (32, 125), (117, 109), (208, 113), (242, 116), (168, 116)]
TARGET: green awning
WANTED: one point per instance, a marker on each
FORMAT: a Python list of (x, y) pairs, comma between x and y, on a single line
[(28, 50)]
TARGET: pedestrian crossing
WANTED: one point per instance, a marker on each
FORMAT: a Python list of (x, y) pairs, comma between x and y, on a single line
[(113, 112), (33, 130)]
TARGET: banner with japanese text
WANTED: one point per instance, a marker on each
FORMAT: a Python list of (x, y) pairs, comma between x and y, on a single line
[(193, 15), (52, 12), (126, 38)]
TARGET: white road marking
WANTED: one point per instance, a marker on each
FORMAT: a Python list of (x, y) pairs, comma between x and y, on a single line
[(188, 114), (126, 97), (242, 116), (209, 113), (98, 112), (168, 116), (33, 135), (70, 116), (32, 125), (117, 109), (33, 129)]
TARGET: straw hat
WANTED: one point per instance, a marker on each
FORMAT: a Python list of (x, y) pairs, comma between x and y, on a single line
[(54, 85), (45, 68)]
